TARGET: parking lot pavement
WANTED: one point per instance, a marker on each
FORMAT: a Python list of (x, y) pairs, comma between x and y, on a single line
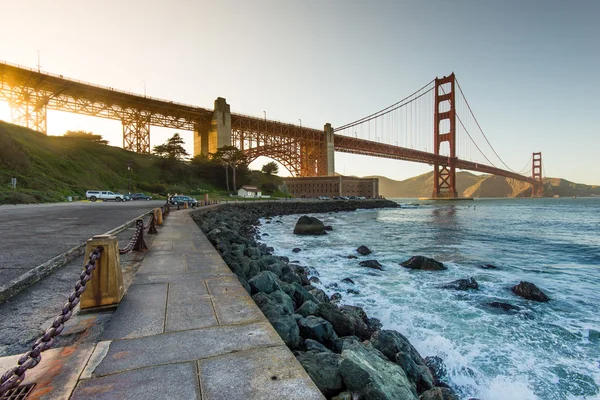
[(33, 234)]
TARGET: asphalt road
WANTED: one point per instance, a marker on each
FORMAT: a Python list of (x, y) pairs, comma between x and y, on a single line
[(33, 234)]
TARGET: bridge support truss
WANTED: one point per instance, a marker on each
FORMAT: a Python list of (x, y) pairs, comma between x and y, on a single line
[(27, 108), (136, 131), (536, 174), (444, 175)]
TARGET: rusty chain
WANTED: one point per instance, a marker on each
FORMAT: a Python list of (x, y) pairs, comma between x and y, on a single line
[(139, 226), (13, 377)]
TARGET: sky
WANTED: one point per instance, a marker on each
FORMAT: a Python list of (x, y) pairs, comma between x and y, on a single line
[(528, 68)]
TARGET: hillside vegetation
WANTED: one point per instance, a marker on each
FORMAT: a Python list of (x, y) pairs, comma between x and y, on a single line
[(50, 168)]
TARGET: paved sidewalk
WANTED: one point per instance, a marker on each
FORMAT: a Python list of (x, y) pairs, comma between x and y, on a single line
[(186, 329)]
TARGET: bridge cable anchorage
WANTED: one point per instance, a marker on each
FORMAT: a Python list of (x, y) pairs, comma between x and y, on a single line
[(14, 376), (368, 117), (480, 129)]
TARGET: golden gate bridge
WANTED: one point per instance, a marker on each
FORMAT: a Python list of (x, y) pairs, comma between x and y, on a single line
[(434, 125)]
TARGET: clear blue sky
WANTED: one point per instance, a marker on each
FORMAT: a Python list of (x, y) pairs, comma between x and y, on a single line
[(529, 68)]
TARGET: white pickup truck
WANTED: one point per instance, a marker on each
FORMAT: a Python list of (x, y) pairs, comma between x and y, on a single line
[(103, 195)]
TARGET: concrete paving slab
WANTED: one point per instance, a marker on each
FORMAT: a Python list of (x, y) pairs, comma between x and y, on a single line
[(162, 263), (56, 375), (226, 286), (184, 246), (184, 346), (162, 245), (166, 278), (198, 260), (141, 313), (189, 306), (231, 309), (256, 374), (176, 381)]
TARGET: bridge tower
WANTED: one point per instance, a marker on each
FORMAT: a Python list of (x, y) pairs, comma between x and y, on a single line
[(444, 175), (536, 173)]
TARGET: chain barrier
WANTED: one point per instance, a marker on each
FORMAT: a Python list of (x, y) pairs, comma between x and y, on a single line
[(139, 231), (13, 377)]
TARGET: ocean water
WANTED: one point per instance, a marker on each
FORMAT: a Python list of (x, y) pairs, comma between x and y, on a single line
[(545, 351)]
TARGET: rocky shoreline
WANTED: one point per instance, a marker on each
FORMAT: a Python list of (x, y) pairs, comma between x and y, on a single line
[(345, 352)]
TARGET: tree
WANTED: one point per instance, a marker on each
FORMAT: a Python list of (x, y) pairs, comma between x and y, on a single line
[(270, 168), (86, 135), (230, 156), (172, 149)]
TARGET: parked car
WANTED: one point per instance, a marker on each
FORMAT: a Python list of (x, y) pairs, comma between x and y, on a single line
[(125, 197), (103, 195), (140, 196), (324, 198), (181, 199)]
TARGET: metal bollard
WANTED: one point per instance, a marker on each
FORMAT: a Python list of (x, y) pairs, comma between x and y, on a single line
[(105, 289)]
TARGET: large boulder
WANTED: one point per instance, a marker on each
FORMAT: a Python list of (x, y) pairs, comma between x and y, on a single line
[(309, 226), (363, 250), (307, 308), (313, 345), (286, 302), (324, 369), (359, 321), (269, 307), (397, 347), (424, 263), (371, 264), (342, 325), (439, 393), (461, 284), (365, 373), (265, 282), (316, 328), (288, 330), (529, 291)]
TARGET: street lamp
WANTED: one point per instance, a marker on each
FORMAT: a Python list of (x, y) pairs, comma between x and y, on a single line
[(129, 168)]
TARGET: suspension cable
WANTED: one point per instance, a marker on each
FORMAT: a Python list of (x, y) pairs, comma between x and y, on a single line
[(479, 126), (484, 156), (370, 117)]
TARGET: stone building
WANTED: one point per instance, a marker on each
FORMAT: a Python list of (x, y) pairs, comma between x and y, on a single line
[(332, 186)]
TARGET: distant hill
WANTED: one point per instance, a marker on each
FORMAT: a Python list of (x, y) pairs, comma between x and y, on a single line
[(471, 185), (422, 185)]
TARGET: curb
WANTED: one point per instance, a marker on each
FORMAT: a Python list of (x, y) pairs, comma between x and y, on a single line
[(34, 275)]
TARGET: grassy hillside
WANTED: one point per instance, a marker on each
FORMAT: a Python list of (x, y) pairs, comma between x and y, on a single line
[(49, 168)]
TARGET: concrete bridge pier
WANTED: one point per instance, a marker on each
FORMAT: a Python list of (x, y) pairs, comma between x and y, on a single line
[(329, 152), (210, 135)]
